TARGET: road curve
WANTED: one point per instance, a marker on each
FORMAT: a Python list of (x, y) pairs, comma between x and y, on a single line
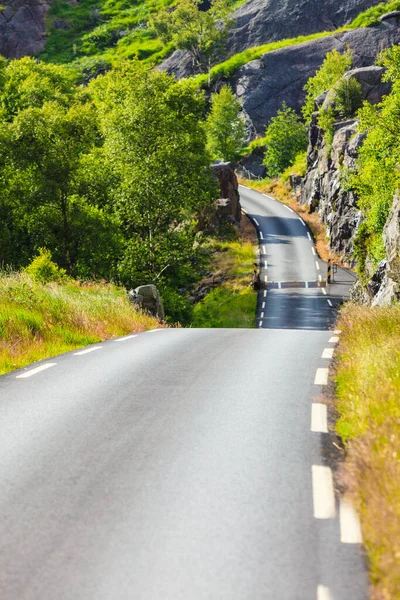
[(178, 464)]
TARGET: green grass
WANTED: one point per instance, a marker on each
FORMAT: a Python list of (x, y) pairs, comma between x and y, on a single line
[(232, 304), (38, 321), (368, 401)]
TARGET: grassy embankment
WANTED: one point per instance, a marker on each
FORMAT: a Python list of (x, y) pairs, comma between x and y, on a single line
[(109, 31), (233, 302), (367, 376), (42, 320)]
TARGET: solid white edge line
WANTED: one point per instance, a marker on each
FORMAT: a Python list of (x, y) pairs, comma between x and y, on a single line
[(87, 351), (35, 370), (321, 376), (329, 302), (256, 222), (288, 207), (333, 340), (328, 353), (350, 528), (323, 593), (323, 291), (323, 492), (319, 418), (127, 337)]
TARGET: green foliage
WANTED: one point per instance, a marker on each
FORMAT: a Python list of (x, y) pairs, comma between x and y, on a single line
[(377, 176), (202, 33), (285, 138), (43, 269), (348, 97), (177, 307), (298, 167), (333, 68), (155, 145), (371, 15), (326, 119), (224, 126)]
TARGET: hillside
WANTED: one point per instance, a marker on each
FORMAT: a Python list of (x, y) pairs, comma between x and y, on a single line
[(103, 31)]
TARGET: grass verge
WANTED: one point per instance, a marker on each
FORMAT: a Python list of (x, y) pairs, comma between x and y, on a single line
[(38, 321), (367, 376), (233, 302)]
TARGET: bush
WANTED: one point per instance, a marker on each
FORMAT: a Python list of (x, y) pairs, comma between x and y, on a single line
[(333, 68), (285, 138), (43, 269), (348, 97)]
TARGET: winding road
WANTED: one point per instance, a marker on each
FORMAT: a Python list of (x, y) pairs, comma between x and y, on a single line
[(185, 464)]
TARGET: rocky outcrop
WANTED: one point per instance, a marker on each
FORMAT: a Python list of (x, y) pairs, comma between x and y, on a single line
[(22, 27), (263, 85), (261, 21), (148, 298), (228, 206), (325, 186), (326, 189)]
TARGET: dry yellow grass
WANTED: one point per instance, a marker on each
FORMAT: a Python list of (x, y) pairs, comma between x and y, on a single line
[(368, 391), (42, 320)]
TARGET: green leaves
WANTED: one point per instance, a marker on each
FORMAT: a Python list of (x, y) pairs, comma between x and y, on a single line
[(225, 128), (285, 138)]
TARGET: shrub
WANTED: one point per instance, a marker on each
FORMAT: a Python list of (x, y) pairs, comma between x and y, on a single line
[(43, 269), (333, 68), (348, 97)]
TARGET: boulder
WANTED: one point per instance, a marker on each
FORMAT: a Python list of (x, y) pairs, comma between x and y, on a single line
[(149, 299), (370, 79)]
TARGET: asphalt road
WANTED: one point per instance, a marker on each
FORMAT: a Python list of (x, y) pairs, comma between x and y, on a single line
[(183, 463)]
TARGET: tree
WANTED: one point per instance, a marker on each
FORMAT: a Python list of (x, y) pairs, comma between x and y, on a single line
[(155, 142), (201, 33), (332, 69), (285, 138), (348, 97), (224, 126)]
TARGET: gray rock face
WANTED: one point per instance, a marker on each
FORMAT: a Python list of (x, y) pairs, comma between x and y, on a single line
[(324, 187), (149, 299), (264, 84), (22, 27), (261, 21)]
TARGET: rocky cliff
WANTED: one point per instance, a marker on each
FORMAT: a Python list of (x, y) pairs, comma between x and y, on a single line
[(325, 190), (260, 21), (263, 85), (22, 27)]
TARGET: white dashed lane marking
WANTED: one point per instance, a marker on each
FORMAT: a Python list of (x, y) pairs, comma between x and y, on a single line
[(263, 305), (127, 337), (88, 350), (324, 291), (350, 528), (256, 222), (317, 265), (321, 376), (265, 293), (323, 493), (330, 303), (35, 370), (260, 324), (328, 353), (334, 339), (323, 593), (313, 250), (302, 222), (261, 235), (319, 418), (263, 250)]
